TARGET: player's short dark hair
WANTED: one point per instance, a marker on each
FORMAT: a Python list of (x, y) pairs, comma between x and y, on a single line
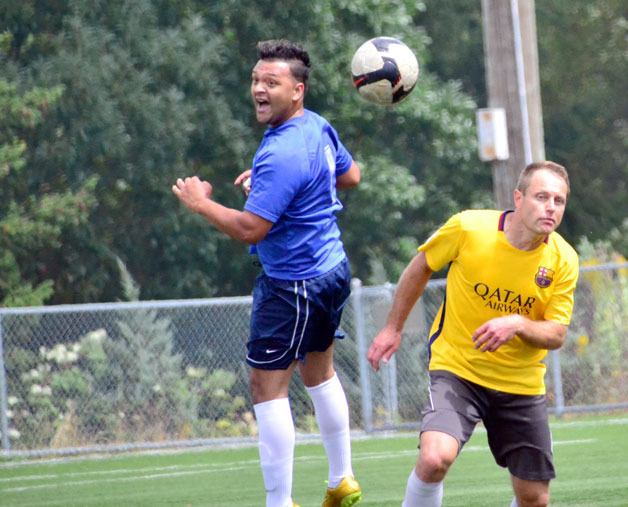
[(291, 52), (530, 169)]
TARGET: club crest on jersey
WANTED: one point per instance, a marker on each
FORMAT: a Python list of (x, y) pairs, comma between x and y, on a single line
[(544, 277)]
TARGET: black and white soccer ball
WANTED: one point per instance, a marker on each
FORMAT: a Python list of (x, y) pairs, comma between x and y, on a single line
[(384, 70)]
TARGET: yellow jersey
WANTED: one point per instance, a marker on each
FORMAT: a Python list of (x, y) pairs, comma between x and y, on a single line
[(488, 278)]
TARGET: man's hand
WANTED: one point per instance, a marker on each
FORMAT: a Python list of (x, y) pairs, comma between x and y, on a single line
[(493, 334), (244, 179), (383, 347), (192, 191)]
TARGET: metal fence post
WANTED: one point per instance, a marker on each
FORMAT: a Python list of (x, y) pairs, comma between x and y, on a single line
[(365, 384), (4, 407), (391, 393), (557, 378), (390, 377)]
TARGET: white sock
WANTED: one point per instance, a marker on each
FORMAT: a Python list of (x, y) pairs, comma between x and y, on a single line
[(514, 502), (422, 494), (332, 415), (276, 450)]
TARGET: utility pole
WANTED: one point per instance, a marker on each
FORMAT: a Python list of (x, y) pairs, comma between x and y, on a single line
[(512, 77)]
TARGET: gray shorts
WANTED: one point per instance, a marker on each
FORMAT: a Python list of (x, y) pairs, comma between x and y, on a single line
[(517, 426)]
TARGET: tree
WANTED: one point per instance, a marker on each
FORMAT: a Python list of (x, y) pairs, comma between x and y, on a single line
[(158, 90), (32, 223), (583, 78), (144, 373), (582, 67), (128, 114), (410, 151)]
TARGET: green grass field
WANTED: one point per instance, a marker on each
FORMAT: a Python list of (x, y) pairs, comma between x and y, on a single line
[(591, 457)]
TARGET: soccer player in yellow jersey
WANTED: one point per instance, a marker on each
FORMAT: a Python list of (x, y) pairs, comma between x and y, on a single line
[(508, 301)]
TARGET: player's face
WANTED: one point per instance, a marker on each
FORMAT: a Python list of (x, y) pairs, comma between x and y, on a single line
[(277, 95), (542, 205)]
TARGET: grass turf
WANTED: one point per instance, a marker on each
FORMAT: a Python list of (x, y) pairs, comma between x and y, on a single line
[(591, 456)]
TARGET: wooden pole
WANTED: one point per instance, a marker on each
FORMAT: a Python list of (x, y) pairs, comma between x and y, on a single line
[(512, 77)]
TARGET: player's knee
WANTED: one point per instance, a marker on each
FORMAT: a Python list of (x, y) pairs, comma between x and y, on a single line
[(433, 466), (533, 499)]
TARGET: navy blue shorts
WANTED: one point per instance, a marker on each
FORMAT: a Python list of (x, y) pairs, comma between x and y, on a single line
[(293, 317)]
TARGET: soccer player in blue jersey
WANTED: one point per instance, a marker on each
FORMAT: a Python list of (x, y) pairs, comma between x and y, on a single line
[(298, 299)]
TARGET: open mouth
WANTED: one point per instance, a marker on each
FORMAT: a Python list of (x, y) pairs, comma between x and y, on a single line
[(262, 106)]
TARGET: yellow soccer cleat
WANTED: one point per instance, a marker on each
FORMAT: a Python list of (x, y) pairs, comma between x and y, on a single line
[(294, 504), (346, 494)]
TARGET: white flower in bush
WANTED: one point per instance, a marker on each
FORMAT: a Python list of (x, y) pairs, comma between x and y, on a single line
[(97, 335), (61, 355), (13, 400), (56, 352), (193, 372)]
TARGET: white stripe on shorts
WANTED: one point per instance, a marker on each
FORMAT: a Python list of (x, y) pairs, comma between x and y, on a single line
[(307, 315)]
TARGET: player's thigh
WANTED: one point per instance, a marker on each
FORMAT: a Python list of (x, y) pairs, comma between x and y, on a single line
[(454, 406), (277, 322), (519, 436), (327, 296)]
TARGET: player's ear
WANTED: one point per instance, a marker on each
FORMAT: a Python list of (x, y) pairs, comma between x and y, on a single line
[(517, 197), (299, 91)]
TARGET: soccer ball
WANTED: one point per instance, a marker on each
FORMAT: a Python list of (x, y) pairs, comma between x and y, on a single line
[(384, 70)]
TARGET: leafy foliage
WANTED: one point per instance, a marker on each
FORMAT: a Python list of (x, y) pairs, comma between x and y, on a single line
[(583, 69), (120, 386), (33, 219), (583, 76), (109, 102), (594, 367), (156, 90)]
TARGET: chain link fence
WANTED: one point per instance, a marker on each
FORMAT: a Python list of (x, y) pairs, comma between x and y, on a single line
[(79, 378)]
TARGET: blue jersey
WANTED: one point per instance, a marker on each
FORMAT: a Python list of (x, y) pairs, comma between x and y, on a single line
[(294, 187)]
